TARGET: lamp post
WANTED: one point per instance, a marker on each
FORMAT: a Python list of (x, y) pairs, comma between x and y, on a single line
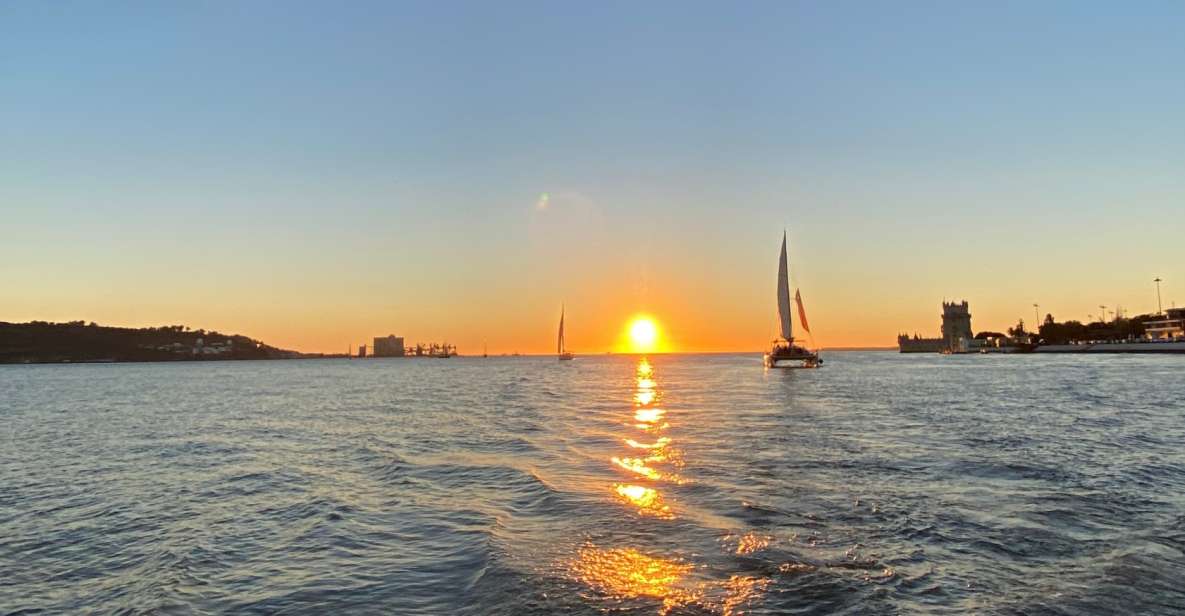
[(1103, 313), (1159, 309), (1036, 317)]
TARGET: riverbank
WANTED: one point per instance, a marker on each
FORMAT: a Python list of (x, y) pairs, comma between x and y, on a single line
[(1114, 347)]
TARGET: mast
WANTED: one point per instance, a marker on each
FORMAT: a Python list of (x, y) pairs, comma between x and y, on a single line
[(784, 294)]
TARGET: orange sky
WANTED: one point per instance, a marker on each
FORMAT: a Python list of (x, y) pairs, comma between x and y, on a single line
[(707, 292)]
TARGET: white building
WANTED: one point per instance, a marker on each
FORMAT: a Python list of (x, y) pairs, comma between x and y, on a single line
[(1169, 328)]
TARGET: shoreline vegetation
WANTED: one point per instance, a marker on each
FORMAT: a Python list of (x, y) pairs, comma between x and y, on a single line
[(1117, 330), (40, 342), (1052, 332)]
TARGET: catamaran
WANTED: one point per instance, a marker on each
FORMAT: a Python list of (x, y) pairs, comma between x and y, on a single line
[(560, 350), (784, 349)]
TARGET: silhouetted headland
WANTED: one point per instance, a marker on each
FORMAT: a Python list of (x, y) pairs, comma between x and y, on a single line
[(76, 341)]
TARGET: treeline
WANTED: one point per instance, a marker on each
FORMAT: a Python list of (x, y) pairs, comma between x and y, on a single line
[(77, 341), (1053, 332)]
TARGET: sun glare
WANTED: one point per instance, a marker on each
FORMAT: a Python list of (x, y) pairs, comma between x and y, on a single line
[(643, 335)]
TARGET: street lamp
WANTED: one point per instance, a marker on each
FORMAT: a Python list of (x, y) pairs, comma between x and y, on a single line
[(1036, 317), (1159, 309), (1103, 314)]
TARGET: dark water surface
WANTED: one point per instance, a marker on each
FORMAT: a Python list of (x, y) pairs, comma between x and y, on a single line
[(880, 484)]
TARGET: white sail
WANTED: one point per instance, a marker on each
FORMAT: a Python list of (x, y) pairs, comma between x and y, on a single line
[(559, 347), (784, 293)]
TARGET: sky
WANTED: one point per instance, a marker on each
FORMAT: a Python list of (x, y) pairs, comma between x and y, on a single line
[(317, 174)]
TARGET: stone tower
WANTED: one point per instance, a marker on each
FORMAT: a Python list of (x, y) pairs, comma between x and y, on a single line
[(956, 324)]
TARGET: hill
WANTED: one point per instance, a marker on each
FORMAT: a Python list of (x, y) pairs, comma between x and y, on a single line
[(76, 341)]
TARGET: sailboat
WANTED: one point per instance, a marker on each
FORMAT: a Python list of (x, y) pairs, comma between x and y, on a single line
[(784, 349), (560, 350)]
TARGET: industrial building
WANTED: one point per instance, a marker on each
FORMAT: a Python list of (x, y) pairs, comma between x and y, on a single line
[(390, 346)]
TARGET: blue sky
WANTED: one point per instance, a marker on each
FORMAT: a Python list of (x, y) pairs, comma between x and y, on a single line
[(275, 167)]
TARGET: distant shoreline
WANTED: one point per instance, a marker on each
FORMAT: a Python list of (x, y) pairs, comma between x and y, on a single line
[(314, 356), (40, 342)]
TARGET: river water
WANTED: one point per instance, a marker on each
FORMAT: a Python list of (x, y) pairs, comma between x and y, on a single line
[(879, 484)]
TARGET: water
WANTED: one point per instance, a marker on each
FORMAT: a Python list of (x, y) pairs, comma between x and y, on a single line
[(882, 483)]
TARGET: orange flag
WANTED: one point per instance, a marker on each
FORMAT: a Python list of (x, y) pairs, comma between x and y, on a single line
[(801, 311)]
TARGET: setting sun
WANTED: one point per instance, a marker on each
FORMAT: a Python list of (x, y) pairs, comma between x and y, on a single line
[(643, 335)]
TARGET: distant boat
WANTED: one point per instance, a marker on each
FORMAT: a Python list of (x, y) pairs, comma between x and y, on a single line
[(560, 350), (784, 349)]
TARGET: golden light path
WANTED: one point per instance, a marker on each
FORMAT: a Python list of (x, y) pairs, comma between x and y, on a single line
[(648, 501), (637, 465), (648, 417), (628, 572)]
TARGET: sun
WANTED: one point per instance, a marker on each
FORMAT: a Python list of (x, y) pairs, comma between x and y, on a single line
[(643, 334)]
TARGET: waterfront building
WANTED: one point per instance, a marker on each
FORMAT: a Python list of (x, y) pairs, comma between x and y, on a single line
[(362, 351), (956, 333), (1169, 327), (917, 344), (390, 346), (214, 348)]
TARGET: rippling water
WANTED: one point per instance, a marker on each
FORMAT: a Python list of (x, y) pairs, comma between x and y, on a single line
[(882, 483)]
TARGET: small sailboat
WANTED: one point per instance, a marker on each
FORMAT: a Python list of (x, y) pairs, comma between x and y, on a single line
[(784, 349), (561, 352)]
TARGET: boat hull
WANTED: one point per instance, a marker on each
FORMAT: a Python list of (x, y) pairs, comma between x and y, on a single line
[(791, 357), (792, 364)]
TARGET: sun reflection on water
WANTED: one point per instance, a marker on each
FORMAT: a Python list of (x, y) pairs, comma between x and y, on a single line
[(649, 415), (628, 572), (752, 542), (643, 397), (637, 465), (739, 591), (659, 444), (647, 500)]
